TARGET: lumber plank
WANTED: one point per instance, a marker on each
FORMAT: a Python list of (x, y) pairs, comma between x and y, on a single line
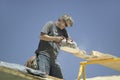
[(95, 55)]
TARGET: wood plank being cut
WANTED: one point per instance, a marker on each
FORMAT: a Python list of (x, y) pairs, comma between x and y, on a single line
[(112, 62), (96, 55), (112, 65), (76, 52)]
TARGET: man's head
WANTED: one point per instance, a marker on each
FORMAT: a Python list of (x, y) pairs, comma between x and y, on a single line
[(67, 19)]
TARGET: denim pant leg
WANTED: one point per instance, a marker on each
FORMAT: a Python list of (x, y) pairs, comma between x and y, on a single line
[(55, 70), (43, 62)]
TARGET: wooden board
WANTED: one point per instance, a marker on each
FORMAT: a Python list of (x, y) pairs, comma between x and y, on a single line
[(76, 52), (94, 55), (112, 65)]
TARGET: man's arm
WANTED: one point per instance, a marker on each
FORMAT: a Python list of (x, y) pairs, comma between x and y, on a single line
[(46, 37)]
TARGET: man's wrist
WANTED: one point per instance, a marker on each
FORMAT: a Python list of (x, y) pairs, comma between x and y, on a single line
[(53, 38)]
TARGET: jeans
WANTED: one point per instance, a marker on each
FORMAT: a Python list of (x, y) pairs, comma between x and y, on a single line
[(49, 66)]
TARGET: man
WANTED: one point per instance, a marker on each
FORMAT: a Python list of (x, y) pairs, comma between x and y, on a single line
[(51, 36)]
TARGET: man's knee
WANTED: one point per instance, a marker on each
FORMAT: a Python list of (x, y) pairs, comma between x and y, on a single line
[(32, 63)]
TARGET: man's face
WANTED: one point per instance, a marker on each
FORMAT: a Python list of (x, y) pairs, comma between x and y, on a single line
[(63, 24)]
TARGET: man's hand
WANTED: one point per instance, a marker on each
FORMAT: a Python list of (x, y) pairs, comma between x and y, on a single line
[(58, 39), (70, 41)]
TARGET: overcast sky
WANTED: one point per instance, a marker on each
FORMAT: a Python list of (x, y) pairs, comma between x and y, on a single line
[(96, 27)]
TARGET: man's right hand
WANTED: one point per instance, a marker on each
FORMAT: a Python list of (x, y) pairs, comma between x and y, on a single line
[(58, 39)]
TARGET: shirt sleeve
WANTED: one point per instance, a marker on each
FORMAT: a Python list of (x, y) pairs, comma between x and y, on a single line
[(46, 28)]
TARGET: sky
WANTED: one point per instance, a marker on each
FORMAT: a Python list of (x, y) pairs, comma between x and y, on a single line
[(96, 27)]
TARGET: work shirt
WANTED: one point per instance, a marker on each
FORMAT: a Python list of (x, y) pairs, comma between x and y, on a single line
[(51, 48)]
